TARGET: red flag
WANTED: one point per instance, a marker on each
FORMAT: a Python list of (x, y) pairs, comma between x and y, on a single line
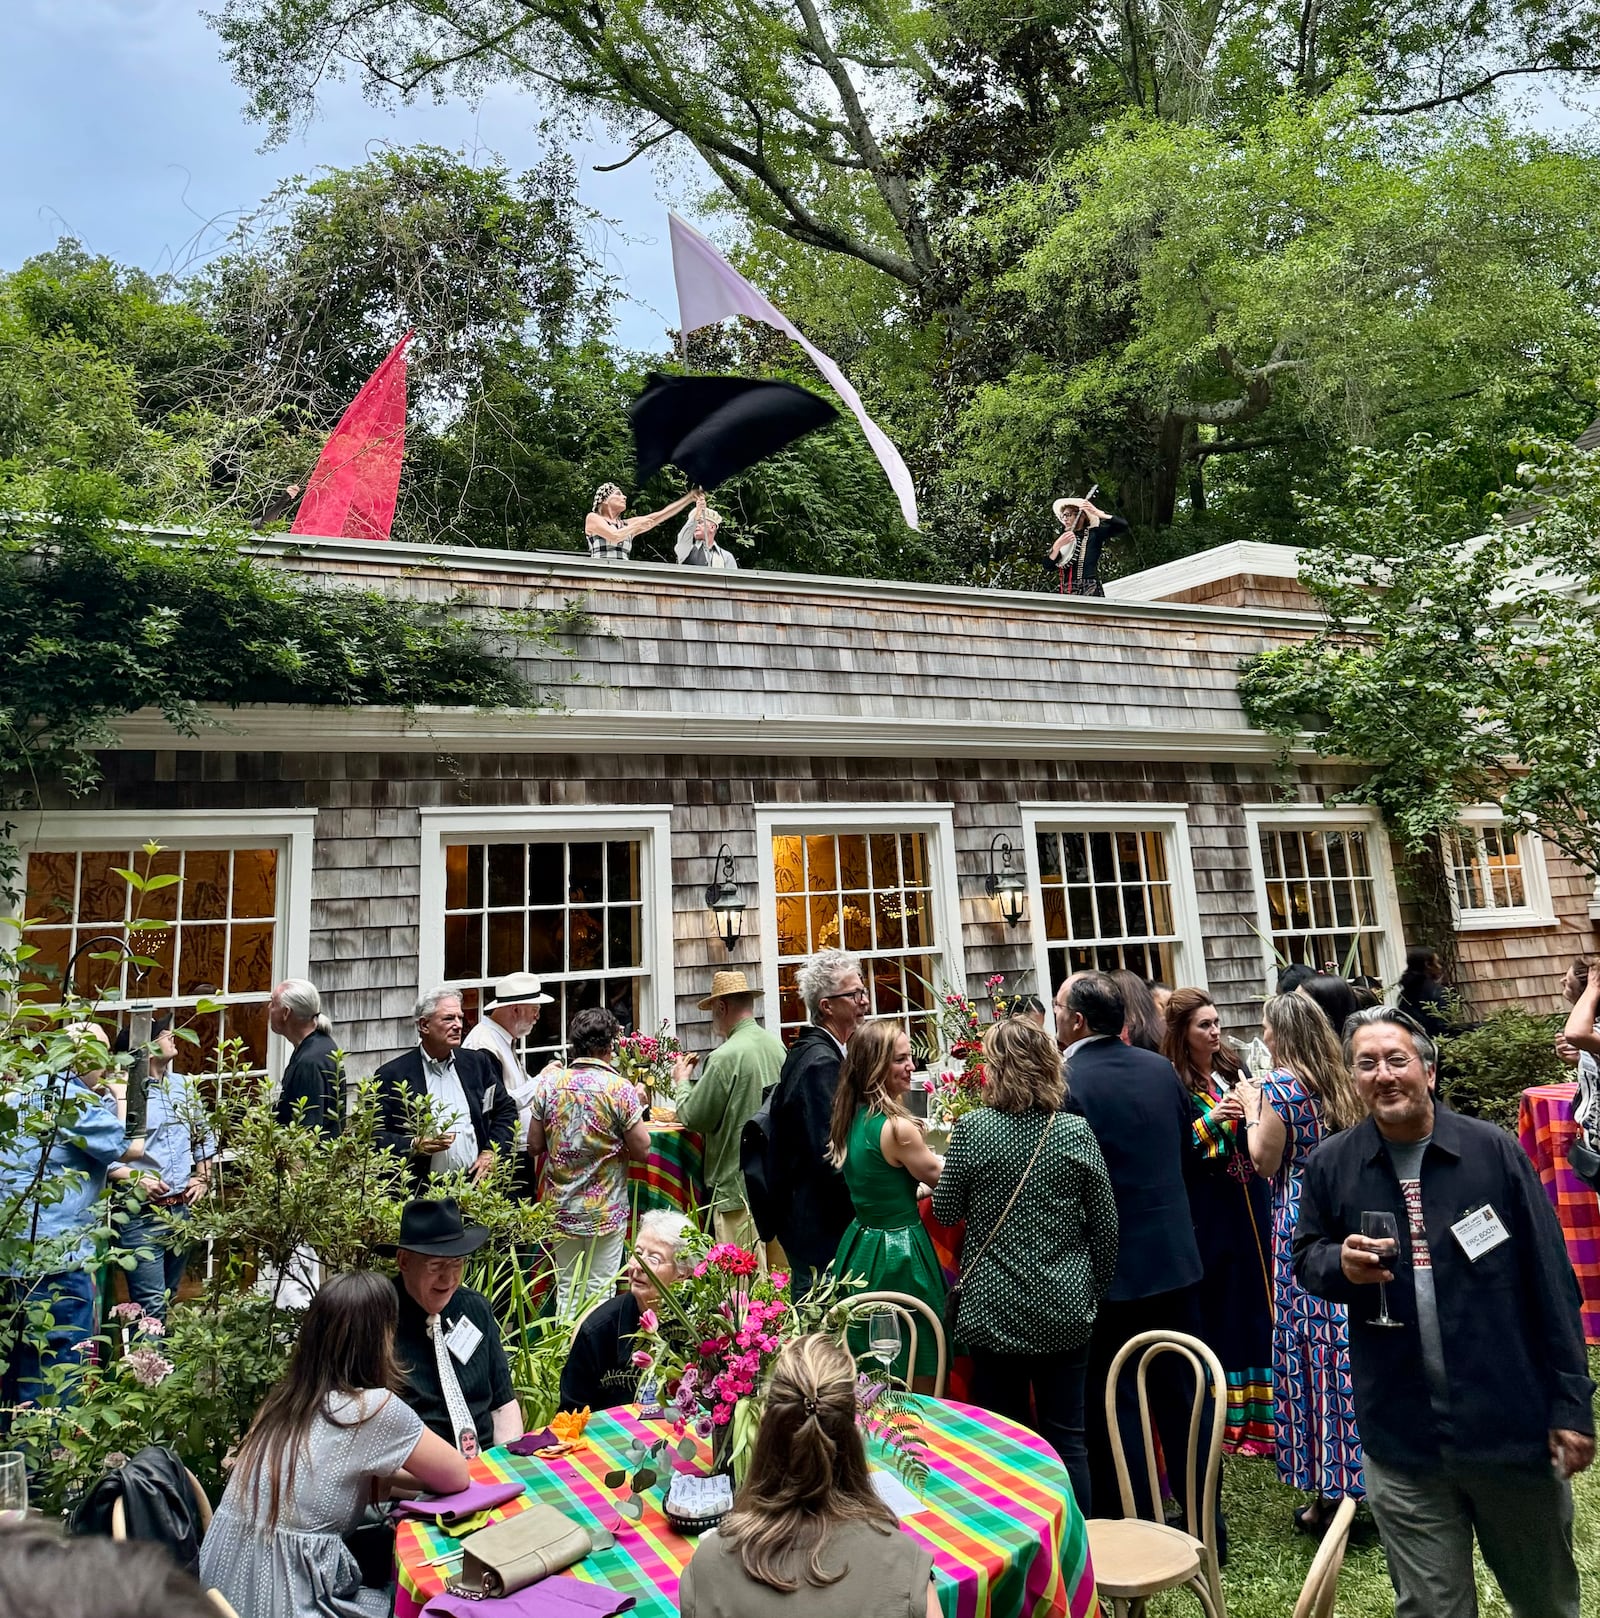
[(352, 493)]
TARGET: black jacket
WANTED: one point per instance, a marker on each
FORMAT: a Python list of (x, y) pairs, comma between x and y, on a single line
[(1510, 1322), (314, 1076), (1139, 1111), (600, 1373), (158, 1504), (810, 1199), (493, 1110)]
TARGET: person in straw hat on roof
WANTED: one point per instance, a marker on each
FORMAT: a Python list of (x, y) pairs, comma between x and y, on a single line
[(510, 1014), (727, 1094)]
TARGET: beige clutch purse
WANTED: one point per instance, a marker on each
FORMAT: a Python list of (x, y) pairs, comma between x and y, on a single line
[(508, 1556)]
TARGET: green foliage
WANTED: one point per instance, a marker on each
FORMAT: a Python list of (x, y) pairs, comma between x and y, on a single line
[(1458, 661), (1484, 1071)]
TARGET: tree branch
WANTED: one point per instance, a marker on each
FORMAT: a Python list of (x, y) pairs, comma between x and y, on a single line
[(1487, 81)]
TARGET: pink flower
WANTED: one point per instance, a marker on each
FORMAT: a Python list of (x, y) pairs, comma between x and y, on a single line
[(647, 1319), (641, 1359), (780, 1280), (127, 1311), (149, 1367), (150, 1326)]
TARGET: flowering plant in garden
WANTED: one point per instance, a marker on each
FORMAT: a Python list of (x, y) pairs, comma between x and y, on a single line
[(646, 1060)]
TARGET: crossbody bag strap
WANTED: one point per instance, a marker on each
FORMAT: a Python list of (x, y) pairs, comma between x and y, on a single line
[(969, 1267)]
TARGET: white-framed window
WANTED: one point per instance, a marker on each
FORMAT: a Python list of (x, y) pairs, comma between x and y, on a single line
[(1496, 873), (1112, 885), (582, 898), (238, 920), (878, 881), (1325, 890)]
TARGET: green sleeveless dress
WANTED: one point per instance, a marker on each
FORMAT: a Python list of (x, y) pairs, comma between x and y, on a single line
[(886, 1242)]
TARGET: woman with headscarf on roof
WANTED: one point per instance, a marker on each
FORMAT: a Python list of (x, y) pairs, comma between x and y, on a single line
[(611, 535)]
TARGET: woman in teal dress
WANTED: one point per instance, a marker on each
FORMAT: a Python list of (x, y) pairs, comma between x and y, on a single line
[(880, 1148)]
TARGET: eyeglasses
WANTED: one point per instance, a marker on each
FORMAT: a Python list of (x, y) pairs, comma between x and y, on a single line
[(1395, 1062), (850, 994), (444, 1266)]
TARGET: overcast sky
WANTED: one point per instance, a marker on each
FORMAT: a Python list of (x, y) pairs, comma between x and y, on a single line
[(122, 127)]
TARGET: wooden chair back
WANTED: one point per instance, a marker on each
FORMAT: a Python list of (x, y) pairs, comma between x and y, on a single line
[(221, 1603), (1322, 1579), (202, 1509), (908, 1309), (1210, 1381)]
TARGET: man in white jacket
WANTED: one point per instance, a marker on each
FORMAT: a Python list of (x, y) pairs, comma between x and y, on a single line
[(510, 1014)]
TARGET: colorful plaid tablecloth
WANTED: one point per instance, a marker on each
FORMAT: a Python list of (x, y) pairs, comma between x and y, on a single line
[(1005, 1533), (1545, 1128), (673, 1176)]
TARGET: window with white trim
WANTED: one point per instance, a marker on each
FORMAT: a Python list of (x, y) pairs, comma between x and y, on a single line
[(572, 911), (1323, 909), (1496, 873), (1108, 902), (872, 893)]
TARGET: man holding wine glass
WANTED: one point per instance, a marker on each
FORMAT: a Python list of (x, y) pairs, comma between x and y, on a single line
[(1472, 1391)]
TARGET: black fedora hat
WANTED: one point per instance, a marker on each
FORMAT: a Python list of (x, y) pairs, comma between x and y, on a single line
[(435, 1228)]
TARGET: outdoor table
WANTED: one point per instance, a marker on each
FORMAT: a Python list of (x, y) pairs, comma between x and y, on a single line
[(673, 1176), (1546, 1129), (999, 1517)]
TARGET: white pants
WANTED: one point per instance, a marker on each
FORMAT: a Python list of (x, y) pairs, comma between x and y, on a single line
[(586, 1267)]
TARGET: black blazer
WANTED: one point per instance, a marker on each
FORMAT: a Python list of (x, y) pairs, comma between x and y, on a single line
[(314, 1077), (493, 1110), (811, 1202), (1139, 1111)]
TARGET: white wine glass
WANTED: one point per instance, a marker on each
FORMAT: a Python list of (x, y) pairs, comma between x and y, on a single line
[(1381, 1226), (884, 1337), (13, 1486)]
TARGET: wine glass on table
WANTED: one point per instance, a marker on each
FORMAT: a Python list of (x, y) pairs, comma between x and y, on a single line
[(884, 1339), (1381, 1226), (13, 1486)]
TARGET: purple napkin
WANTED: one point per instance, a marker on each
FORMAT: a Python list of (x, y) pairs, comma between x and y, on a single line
[(449, 1509), (556, 1597), (530, 1443)]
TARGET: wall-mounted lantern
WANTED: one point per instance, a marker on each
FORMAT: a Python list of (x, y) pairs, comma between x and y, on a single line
[(1006, 885), (723, 899)]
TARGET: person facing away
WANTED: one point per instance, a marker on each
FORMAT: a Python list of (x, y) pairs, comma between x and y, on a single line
[(1040, 1246), (1477, 1408), (809, 1536), (1422, 994), (810, 1197), (466, 1089), (46, 1574), (1143, 1025), (1308, 1096), (885, 1156), (313, 1081), (590, 1122), (456, 1376), (721, 1096), (332, 1428), (1135, 1104), (510, 1014), (600, 1373)]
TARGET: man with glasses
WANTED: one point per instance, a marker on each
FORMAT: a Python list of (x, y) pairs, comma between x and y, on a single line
[(1475, 1405), (810, 1199), (447, 1340)]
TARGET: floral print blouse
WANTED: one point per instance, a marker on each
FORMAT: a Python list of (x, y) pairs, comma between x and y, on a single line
[(585, 1111)]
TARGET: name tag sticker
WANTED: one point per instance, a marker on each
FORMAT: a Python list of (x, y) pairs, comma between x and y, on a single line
[(462, 1340), (1480, 1232)]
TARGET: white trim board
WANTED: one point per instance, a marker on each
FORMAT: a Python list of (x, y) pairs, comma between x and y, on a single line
[(1242, 556)]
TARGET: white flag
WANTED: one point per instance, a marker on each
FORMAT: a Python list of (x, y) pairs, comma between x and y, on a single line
[(710, 290)]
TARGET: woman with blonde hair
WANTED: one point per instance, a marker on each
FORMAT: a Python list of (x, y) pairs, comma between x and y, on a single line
[(1041, 1241), (808, 1532), (1308, 1097), (610, 535), (1232, 1212), (885, 1157)]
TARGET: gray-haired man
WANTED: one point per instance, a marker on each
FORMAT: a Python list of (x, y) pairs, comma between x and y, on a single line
[(313, 1087)]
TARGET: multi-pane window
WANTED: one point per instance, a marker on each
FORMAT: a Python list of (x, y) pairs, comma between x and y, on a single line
[(220, 941), (870, 893), (1322, 908), (1486, 868), (572, 912), (1108, 903)]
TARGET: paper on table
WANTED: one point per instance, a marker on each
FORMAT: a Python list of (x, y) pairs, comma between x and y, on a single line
[(895, 1495)]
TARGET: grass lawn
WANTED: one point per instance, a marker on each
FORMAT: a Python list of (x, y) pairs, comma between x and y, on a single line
[(1267, 1559)]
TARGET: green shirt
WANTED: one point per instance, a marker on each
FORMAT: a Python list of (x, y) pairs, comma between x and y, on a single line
[(725, 1098)]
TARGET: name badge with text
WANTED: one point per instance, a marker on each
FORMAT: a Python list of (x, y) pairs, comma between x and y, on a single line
[(462, 1340), (1480, 1232)]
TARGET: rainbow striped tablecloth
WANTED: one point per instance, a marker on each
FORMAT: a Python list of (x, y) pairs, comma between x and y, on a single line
[(1005, 1533), (673, 1176), (1546, 1129)]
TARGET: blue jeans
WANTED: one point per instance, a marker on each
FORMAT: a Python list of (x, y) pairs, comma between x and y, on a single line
[(70, 1297), (163, 1257)]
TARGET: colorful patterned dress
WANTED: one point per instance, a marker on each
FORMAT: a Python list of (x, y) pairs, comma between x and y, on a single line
[(1233, 1228), (1319, 1449)]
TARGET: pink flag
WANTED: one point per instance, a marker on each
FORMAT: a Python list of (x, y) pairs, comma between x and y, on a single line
[(352, 493), (710, 290)]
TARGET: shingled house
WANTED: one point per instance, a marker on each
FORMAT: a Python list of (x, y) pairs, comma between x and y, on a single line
[(865, 754)]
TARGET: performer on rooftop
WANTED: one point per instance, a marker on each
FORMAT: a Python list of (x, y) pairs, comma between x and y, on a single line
[(611, 535), (1076, 553)]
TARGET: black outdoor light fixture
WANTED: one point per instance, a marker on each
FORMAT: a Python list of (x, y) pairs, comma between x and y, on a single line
[(724, 900), (1006, 885)]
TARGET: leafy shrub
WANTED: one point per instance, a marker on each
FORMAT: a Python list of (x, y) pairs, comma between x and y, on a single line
[(1484, 1071)]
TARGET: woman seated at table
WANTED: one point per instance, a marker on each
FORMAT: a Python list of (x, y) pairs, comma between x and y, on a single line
[(600, 1372), (330, 1429), (808, 1532), (884, 1156)]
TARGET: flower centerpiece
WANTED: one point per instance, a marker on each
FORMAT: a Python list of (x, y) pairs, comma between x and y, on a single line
[(959, 1089), (646, 1060), (712, 1340)]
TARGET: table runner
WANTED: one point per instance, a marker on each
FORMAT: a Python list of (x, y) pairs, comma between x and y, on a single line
[(1546, 1129)]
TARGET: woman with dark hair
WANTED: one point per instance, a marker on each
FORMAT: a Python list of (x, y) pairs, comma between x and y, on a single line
[(1040, 1246), (1309, 1096), (1422, 995), (884, 1157), (332, 1427), (1332, 996), (1232, 1216), (809, 1533), (590, 1121), (1143, 1027)]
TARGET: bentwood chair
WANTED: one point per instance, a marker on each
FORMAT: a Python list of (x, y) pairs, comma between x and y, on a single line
[(908, 1308), (1322, 1580), (224, 1607), (1135, 1558), (202, 1509)]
